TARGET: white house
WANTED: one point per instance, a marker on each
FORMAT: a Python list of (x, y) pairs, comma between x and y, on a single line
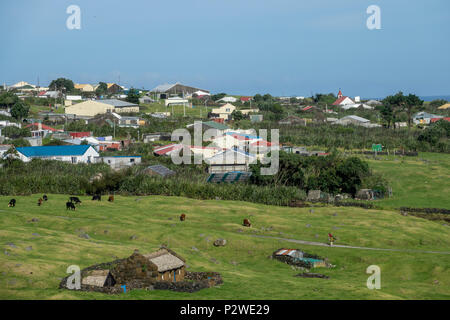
[(230, 160), (342, 100), (175, 101), (228, 99), (424, 117), (235, 140), (72, 154), (356, 105), (224, 112)]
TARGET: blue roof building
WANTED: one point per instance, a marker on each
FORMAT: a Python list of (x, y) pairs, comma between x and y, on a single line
[(72, 153)]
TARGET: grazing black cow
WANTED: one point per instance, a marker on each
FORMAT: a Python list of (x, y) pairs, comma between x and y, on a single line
[(70, 205), (75, 200), (12, 203), (182, 217), (45, 197), (40, 202), (97, 197)]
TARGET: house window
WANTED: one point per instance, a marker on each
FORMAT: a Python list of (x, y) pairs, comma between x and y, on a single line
[(109, 161), (74, 159), (132, 160), (228, 109)]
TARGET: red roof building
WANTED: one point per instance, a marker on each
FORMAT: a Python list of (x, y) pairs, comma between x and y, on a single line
[(246, 99), (40, 126), (80, 134), (308, 108), (433, 120), (342, 100)]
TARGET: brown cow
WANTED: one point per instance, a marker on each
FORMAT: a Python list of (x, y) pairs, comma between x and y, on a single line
[(182, 217), (40, 201), (111, 199), (247, 223)]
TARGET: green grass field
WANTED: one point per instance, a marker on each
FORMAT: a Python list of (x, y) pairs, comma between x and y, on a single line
[(421, 181), (247, 271)]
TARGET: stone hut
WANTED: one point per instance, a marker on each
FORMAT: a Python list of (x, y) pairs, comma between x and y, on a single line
[(162, 265), (159, 270)]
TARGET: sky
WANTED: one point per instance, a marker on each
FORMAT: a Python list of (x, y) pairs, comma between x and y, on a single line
[(242, 47)]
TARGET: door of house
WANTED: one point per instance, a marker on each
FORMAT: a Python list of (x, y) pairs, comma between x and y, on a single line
[(174, 276)]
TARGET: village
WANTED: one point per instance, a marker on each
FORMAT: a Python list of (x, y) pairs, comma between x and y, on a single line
[(223, 158)]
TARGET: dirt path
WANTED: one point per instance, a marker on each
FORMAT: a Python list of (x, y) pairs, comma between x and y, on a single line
[(312, 243)]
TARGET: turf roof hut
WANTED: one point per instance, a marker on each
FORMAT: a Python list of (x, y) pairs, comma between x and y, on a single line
[(162, 265)]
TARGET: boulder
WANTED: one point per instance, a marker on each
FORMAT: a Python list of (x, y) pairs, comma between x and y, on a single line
[(220, 242)]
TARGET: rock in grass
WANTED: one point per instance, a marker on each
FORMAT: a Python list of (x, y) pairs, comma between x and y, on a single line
[(133, 237), (220, 242), (84, 236), (234, 263), (308, 225), (194, 248), (29, 248), (35, 220), (7, 252), (12, 245), (35, 234)]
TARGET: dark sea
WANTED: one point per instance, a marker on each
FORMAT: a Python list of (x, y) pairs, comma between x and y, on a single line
[(424, 98), (431, 98)]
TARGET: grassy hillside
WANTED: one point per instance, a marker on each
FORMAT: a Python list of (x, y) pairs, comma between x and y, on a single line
[(421, 181), (247, 272)]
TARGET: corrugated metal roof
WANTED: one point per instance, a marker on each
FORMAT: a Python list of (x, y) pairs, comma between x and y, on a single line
[(48, 151), (215, 125), (161, 170), (117, 103), (163, 87)]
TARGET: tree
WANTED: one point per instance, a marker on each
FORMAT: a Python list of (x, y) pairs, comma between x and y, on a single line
[(102, 89), (237, 115), (387, 115), (133, 96), (8, 99), (218, 96), (61, 83), (400, 102), (324, 99), (19, 111)]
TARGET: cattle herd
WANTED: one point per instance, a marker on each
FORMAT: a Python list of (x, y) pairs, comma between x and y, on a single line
[(70, 205)]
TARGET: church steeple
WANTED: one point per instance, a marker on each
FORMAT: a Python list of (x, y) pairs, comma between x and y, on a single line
[(340, 95)]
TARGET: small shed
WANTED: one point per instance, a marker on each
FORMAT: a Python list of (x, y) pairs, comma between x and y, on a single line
[(299, 258), (159, 170), (317, 195)]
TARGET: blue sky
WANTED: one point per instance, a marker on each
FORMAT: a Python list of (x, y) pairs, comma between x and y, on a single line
[(282, 47)]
